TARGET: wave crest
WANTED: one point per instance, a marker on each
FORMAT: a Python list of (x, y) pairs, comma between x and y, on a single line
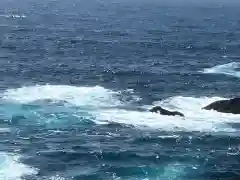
[(81, 96), (230, 69)]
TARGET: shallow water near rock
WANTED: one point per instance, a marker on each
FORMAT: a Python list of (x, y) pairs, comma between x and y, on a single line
[(78, 79)]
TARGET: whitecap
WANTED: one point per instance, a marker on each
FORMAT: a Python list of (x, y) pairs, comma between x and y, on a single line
[(81, 96), (14, 16), (230, 69)]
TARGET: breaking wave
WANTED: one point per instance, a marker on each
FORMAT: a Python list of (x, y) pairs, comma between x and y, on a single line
[(230, 69), (102, 106)]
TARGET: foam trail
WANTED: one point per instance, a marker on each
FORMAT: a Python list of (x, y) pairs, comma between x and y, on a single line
[(11, 169), (227, 69), (102, 105)]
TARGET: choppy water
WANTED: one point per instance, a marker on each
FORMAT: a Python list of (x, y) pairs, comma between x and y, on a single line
[(78, 78)]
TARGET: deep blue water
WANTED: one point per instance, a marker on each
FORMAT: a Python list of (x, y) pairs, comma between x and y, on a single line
[(78, 78)]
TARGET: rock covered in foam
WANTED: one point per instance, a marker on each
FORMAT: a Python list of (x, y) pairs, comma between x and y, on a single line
[(158, 109)]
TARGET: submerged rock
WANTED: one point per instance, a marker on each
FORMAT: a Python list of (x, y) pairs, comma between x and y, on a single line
[(158, 109), (225, 106)]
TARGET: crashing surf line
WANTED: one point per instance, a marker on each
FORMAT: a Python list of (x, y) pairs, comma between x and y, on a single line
[(101, 106)]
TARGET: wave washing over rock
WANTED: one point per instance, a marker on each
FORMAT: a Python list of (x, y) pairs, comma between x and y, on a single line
[(57, 106), (103, 106), (78, 79)]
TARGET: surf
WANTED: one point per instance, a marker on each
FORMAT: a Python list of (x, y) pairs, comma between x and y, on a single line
[(230, 69), (66, 105)]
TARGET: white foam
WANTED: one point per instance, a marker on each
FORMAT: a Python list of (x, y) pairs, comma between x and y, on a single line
[(81, 96), (12, 16), (12, 169), (106, 109), (196, 119), (227, 69)]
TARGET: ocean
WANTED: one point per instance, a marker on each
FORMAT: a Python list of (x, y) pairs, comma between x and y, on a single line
[(78, 79)]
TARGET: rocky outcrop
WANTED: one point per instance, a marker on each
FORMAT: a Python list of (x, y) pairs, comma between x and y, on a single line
[(225, 106), (158, 109)]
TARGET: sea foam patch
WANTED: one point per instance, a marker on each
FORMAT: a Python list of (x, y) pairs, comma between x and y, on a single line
[(196, 119), (104, 106), (81, 96)]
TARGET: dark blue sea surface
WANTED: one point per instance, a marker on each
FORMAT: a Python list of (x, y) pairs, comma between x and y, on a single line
[(78, 79)]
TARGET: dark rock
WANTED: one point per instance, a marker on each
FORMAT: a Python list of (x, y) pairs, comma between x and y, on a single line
[(225, 106), (158, 109)]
